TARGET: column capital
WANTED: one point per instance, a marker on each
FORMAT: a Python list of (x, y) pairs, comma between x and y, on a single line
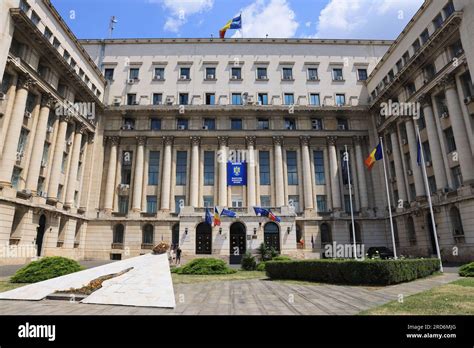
[(250, 140), (447, 82), (223, 141), (424, 100), (47, 100), (81, 128), (358, 139), (392, 128), (278, 140), (195, 141), (114, 141), (331, 140), (65, 118), (304, 140), (25, 81), (168, 140), (141, 140)]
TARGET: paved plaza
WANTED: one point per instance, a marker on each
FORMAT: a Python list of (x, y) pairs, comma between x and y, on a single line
[(245, 297)]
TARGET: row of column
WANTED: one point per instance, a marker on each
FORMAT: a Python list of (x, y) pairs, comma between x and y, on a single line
[(8, 159), (222, 173), (465, 157)]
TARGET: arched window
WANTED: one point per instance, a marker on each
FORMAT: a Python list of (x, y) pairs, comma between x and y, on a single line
[(411, 231), (175, 236), (119, 231), (271, 235), (456, 223), (357, 233), (203, 238), (147, 234)]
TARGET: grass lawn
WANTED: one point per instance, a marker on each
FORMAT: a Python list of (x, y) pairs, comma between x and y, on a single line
[(6, 285), (453, 298), (240, 275)]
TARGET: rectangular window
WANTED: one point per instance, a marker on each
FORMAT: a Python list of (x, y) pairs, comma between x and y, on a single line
[(262, 74), (312, 74), (438, 21), (412, 192), (60, 192), (210, 99), (399, 65), (290, 123), (314, 99), (22, 141), (184, 73), (40, 186), (237, 201), (159, 74), (128, 124), (262, 99), (236, 99), (134, 73), (342, 124), (132, 99), (347, 203), (289, 99), (265, 201), (123, 204), (209, 168), (292, 167), (321, 203), (179, 202), (153, 167), (287, 73), (340, 99), (109, 74), (151, 204), (181, 166), (210, 73), (416, 45), (426, 151), (209, 123), (208, 202), (16, 177), (64, 162), (450, 141), (155, 124), (127, 160), (425, 35), (44, 158), (24, 6), (236, 73), (35, 18), (264, 166), (337, 74), (183, 98), (263, 123), (182, 123), (47, 33), (236, 124), (319, 175), (157, 99), (448, 9), (316, 123), (432, 184), (457, 176), (362, 74)]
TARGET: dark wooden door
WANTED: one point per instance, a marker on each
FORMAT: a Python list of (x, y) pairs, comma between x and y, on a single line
[(203, 239), (238, 243)]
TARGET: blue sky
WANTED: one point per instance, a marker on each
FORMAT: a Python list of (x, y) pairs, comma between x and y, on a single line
[(352, 19)]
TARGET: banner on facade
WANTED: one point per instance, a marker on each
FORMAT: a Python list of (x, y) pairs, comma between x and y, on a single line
[(236, 174)]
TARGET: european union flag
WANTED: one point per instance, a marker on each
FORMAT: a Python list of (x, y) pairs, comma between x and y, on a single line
[(228, 213), (208, 217), (261, 211)]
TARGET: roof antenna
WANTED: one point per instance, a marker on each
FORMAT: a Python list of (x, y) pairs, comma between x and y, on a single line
[(266, 36), (113, 21)]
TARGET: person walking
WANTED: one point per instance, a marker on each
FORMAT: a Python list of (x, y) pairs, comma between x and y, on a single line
[(178, 255)]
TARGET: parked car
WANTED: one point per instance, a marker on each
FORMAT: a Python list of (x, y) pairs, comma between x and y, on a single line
[(383, 252)]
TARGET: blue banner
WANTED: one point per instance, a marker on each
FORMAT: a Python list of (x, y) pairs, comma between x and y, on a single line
[(236, 174)]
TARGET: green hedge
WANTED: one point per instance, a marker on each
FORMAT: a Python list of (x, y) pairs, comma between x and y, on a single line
[(46, 268), (206, 265), (467, 270), (368, 272)]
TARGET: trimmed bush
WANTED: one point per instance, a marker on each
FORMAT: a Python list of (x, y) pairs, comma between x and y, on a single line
[(282, 258), (368, 272), (248, 262), (204, 266), (467, 270), (261, 266), (46, 268)]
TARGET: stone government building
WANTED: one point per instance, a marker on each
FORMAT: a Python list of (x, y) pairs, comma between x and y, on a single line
[(144, 163)]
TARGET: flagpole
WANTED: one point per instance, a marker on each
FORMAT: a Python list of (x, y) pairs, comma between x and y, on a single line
[(388, 200), (350, 200), (428, 194)]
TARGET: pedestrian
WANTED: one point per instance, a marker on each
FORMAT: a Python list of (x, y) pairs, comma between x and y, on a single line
[(178, 255)]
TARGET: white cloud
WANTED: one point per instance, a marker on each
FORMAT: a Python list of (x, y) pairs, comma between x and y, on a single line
[(359, 19), (272, 17), (307, 24), (181, 10)]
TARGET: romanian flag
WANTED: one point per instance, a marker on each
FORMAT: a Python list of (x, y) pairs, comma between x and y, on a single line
[(273, 217), (374, 156), (217, 219), (234, 23)]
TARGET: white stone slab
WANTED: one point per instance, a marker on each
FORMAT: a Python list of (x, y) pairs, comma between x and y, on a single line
[(151, 272)]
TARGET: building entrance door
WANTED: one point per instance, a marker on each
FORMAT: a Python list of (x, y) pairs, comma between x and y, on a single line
[(40, 234), (238, 243)]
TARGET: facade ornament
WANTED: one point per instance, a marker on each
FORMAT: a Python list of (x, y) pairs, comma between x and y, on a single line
[(25, 81), (223, 141), (250, 140), (332, 140), (168, 140), (141, 141), (278, 140), (195, 141), (115, 141), (447, 82), (304, 140), (358, 139), (47, 100), (424, 100)]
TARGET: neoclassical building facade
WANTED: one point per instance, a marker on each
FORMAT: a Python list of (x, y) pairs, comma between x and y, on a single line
[(110, 146)]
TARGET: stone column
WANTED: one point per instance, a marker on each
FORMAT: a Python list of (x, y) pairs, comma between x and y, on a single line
[(459, 130), (111, 170), (435, 146), (223, 142), (417, 175), (251, 194), (8, 159), (57, 159), (397, 157), (307, 179), (166, 181), (138, 176), (194, 180), (333, 170), (364, 200), (72, 176), (47, 102), (279, 181)]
